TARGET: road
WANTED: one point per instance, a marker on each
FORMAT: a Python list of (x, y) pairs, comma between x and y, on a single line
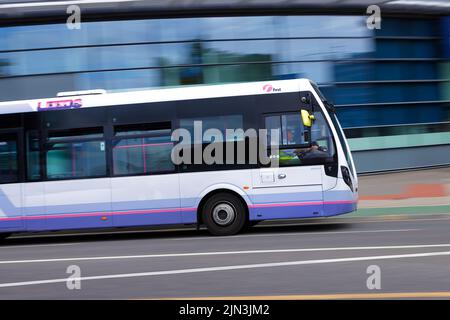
[(314, 259)]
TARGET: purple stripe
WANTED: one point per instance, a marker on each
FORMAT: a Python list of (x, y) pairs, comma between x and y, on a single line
[(342, 206), (170, 210)]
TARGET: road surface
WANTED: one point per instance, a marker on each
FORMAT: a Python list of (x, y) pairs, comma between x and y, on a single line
[(313, 259)]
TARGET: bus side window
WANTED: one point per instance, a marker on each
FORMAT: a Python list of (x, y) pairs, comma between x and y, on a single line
[(290, 126), (142, 149), (220, 122), (9, 171), (33, 156), (76, 153)]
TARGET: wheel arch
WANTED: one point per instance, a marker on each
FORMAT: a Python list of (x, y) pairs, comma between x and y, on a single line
[(243, 197)]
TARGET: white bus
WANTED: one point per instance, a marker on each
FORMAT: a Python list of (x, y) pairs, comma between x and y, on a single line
[(97, 159)]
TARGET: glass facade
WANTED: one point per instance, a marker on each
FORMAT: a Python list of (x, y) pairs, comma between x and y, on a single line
[(396, 77)]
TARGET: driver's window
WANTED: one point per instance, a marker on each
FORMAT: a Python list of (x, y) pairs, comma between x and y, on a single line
[(290, 126), (299, 145)]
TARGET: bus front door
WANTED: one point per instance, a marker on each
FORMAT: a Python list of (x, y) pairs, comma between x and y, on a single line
[(287, 192)]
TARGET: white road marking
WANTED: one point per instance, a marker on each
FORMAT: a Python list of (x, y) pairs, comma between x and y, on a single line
[(225, 268), (353, 220), (339, 220), (212, 253), (401, 218), (305, 233)]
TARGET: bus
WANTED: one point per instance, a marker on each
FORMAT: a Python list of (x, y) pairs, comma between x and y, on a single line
[(98, 159)]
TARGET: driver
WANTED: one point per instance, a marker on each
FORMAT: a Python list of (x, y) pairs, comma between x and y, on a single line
[(315, 151)]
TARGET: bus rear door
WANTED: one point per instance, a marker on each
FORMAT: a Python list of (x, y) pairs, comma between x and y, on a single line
[(10, 188)]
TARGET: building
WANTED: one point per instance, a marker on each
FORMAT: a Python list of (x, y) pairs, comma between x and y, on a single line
[(391, 85)]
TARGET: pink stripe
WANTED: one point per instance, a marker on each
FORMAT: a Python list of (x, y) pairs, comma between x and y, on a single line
[(289, 204), (153, 211), (293, 204), (10, 219), (67, 215), (93, 214)]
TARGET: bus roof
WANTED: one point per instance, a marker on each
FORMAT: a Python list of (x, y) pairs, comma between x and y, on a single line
[(98, 98)]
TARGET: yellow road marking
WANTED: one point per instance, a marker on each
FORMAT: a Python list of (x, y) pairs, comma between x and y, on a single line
[(380, 295)]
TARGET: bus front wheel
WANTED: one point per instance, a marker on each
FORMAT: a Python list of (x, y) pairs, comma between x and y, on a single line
[(3, 236), (224, 214)]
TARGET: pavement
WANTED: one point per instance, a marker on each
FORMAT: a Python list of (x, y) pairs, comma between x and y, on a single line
[(406, 193), (400, 233)]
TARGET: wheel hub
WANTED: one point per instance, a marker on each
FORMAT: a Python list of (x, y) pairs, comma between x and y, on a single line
[(223, 214)]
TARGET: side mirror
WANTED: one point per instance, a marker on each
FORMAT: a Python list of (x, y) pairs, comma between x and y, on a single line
[(307, 118), (305, 100)]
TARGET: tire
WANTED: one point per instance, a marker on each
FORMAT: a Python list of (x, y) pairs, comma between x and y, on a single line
[(3, 236), (224, 214), (251, 224)]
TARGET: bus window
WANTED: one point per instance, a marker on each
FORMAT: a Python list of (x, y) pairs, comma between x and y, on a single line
[(153, 129), (215, 122), (33, 157), (292, 131), (321, 135), (298, 145), (142, 151), (78, 154), (8, 159)]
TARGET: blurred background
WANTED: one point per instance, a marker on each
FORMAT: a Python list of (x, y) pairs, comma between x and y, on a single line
[(391, 86)]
